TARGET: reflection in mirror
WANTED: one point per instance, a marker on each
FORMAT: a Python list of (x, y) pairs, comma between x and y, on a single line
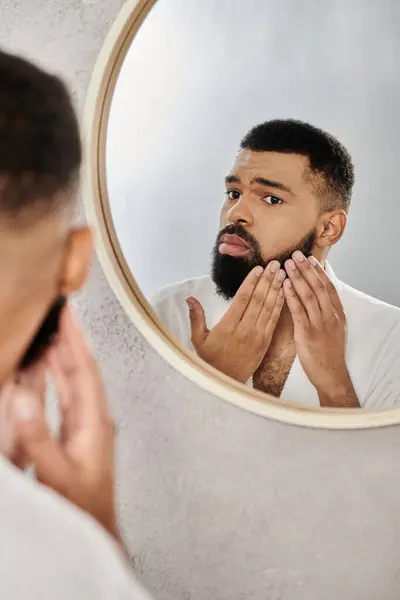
[(252, 178)]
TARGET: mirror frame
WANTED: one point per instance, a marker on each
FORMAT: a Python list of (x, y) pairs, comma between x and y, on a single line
[(122, 282)]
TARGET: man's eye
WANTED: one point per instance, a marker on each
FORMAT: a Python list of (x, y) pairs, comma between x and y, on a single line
[(233, 194), (273, 200)]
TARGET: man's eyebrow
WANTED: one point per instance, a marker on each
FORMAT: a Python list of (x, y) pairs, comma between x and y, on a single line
[(274, 184), (263, 181), (232, 179)]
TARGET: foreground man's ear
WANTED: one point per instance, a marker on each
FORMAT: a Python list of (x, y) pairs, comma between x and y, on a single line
[(78, 257)]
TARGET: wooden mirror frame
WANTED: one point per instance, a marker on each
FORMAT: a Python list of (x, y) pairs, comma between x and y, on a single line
[(120, 278)]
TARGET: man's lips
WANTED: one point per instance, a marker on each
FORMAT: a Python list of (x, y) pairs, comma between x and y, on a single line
[(233, 245)]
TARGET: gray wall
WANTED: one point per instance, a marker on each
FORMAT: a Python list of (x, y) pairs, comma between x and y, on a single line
[(219, 504), (201, 73)]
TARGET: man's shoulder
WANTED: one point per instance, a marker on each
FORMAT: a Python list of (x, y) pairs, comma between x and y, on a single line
[(42, 531), (169, 304), (367, 310), (196, 286)]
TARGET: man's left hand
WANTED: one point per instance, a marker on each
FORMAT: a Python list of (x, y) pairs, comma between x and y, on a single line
[(319, 330)]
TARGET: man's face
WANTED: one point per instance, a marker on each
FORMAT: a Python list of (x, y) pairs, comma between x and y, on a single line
[(271, 210), (40, 262)]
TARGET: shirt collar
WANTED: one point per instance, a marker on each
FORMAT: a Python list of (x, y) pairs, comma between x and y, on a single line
[(332, 276)]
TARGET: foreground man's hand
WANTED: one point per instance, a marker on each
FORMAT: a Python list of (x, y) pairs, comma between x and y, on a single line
[(35, 381), (80, 464), (238, 343), (319, 331)]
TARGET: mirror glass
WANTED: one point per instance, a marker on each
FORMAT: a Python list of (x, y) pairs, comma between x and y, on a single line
[(239, 133)]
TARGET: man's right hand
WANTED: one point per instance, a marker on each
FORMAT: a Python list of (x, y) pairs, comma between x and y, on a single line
[(239, 342), (79, 464)]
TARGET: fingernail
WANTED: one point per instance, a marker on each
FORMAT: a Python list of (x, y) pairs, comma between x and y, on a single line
[(288, 283), (281, 275), (290, 264), (299, 256), (273, 266), (25, 407), (190, 303), (258, 271), (312, 261)]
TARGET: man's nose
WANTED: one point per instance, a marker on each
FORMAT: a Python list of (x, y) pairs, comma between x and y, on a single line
[(241, 212)]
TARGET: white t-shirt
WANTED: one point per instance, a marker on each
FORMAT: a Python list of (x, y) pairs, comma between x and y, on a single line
[(50, 550), (372, 348)]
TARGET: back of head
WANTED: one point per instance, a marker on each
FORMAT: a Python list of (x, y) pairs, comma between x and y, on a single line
[(42, 257), (327, 157), (40, 149)]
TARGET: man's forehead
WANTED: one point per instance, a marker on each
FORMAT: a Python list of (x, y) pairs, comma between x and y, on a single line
[(279, 166)]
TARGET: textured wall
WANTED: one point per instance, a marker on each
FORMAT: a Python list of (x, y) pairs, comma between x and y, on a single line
[(219, 504)]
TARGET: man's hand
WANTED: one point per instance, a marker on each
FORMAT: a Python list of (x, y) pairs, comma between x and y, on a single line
[(238, 343), (35, 381), (80, 464), (319, 330)]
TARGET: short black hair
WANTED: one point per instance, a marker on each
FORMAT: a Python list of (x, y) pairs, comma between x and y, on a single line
[(40, 146), (327, 156)]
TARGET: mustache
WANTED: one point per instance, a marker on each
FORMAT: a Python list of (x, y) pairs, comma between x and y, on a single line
[(240, 231)]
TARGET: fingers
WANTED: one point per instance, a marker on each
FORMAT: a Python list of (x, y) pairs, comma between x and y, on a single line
[(198, 323), (329, 285), (80, 373), (264, 295), (320, 285), (273, 300), (299, 315), (34, 378), (59, 372), (34, 437), (304, 292), (7, 428), (69, 420), (272, 319), (242, 298)]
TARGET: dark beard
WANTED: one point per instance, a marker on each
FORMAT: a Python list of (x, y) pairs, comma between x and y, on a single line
[(45, 335), (229, 272)]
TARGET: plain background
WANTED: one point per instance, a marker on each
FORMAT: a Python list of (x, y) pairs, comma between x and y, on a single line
[(200, 74), (217, 503)]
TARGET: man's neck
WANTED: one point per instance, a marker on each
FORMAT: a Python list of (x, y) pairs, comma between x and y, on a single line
[(285, 328)]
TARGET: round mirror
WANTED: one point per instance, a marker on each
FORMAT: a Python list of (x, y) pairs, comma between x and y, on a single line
[(241, 175)]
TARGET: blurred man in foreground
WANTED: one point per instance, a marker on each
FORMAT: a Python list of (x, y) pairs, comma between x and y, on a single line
[(59, 538)]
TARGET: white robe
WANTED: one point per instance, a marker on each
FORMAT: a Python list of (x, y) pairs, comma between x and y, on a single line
[(49, 549), (372, 348)]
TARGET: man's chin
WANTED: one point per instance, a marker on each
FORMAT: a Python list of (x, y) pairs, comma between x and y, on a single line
[(227, 283)]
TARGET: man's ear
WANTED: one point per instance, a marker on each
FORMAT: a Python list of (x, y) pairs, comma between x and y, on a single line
[(78, 256), (330, 228)]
